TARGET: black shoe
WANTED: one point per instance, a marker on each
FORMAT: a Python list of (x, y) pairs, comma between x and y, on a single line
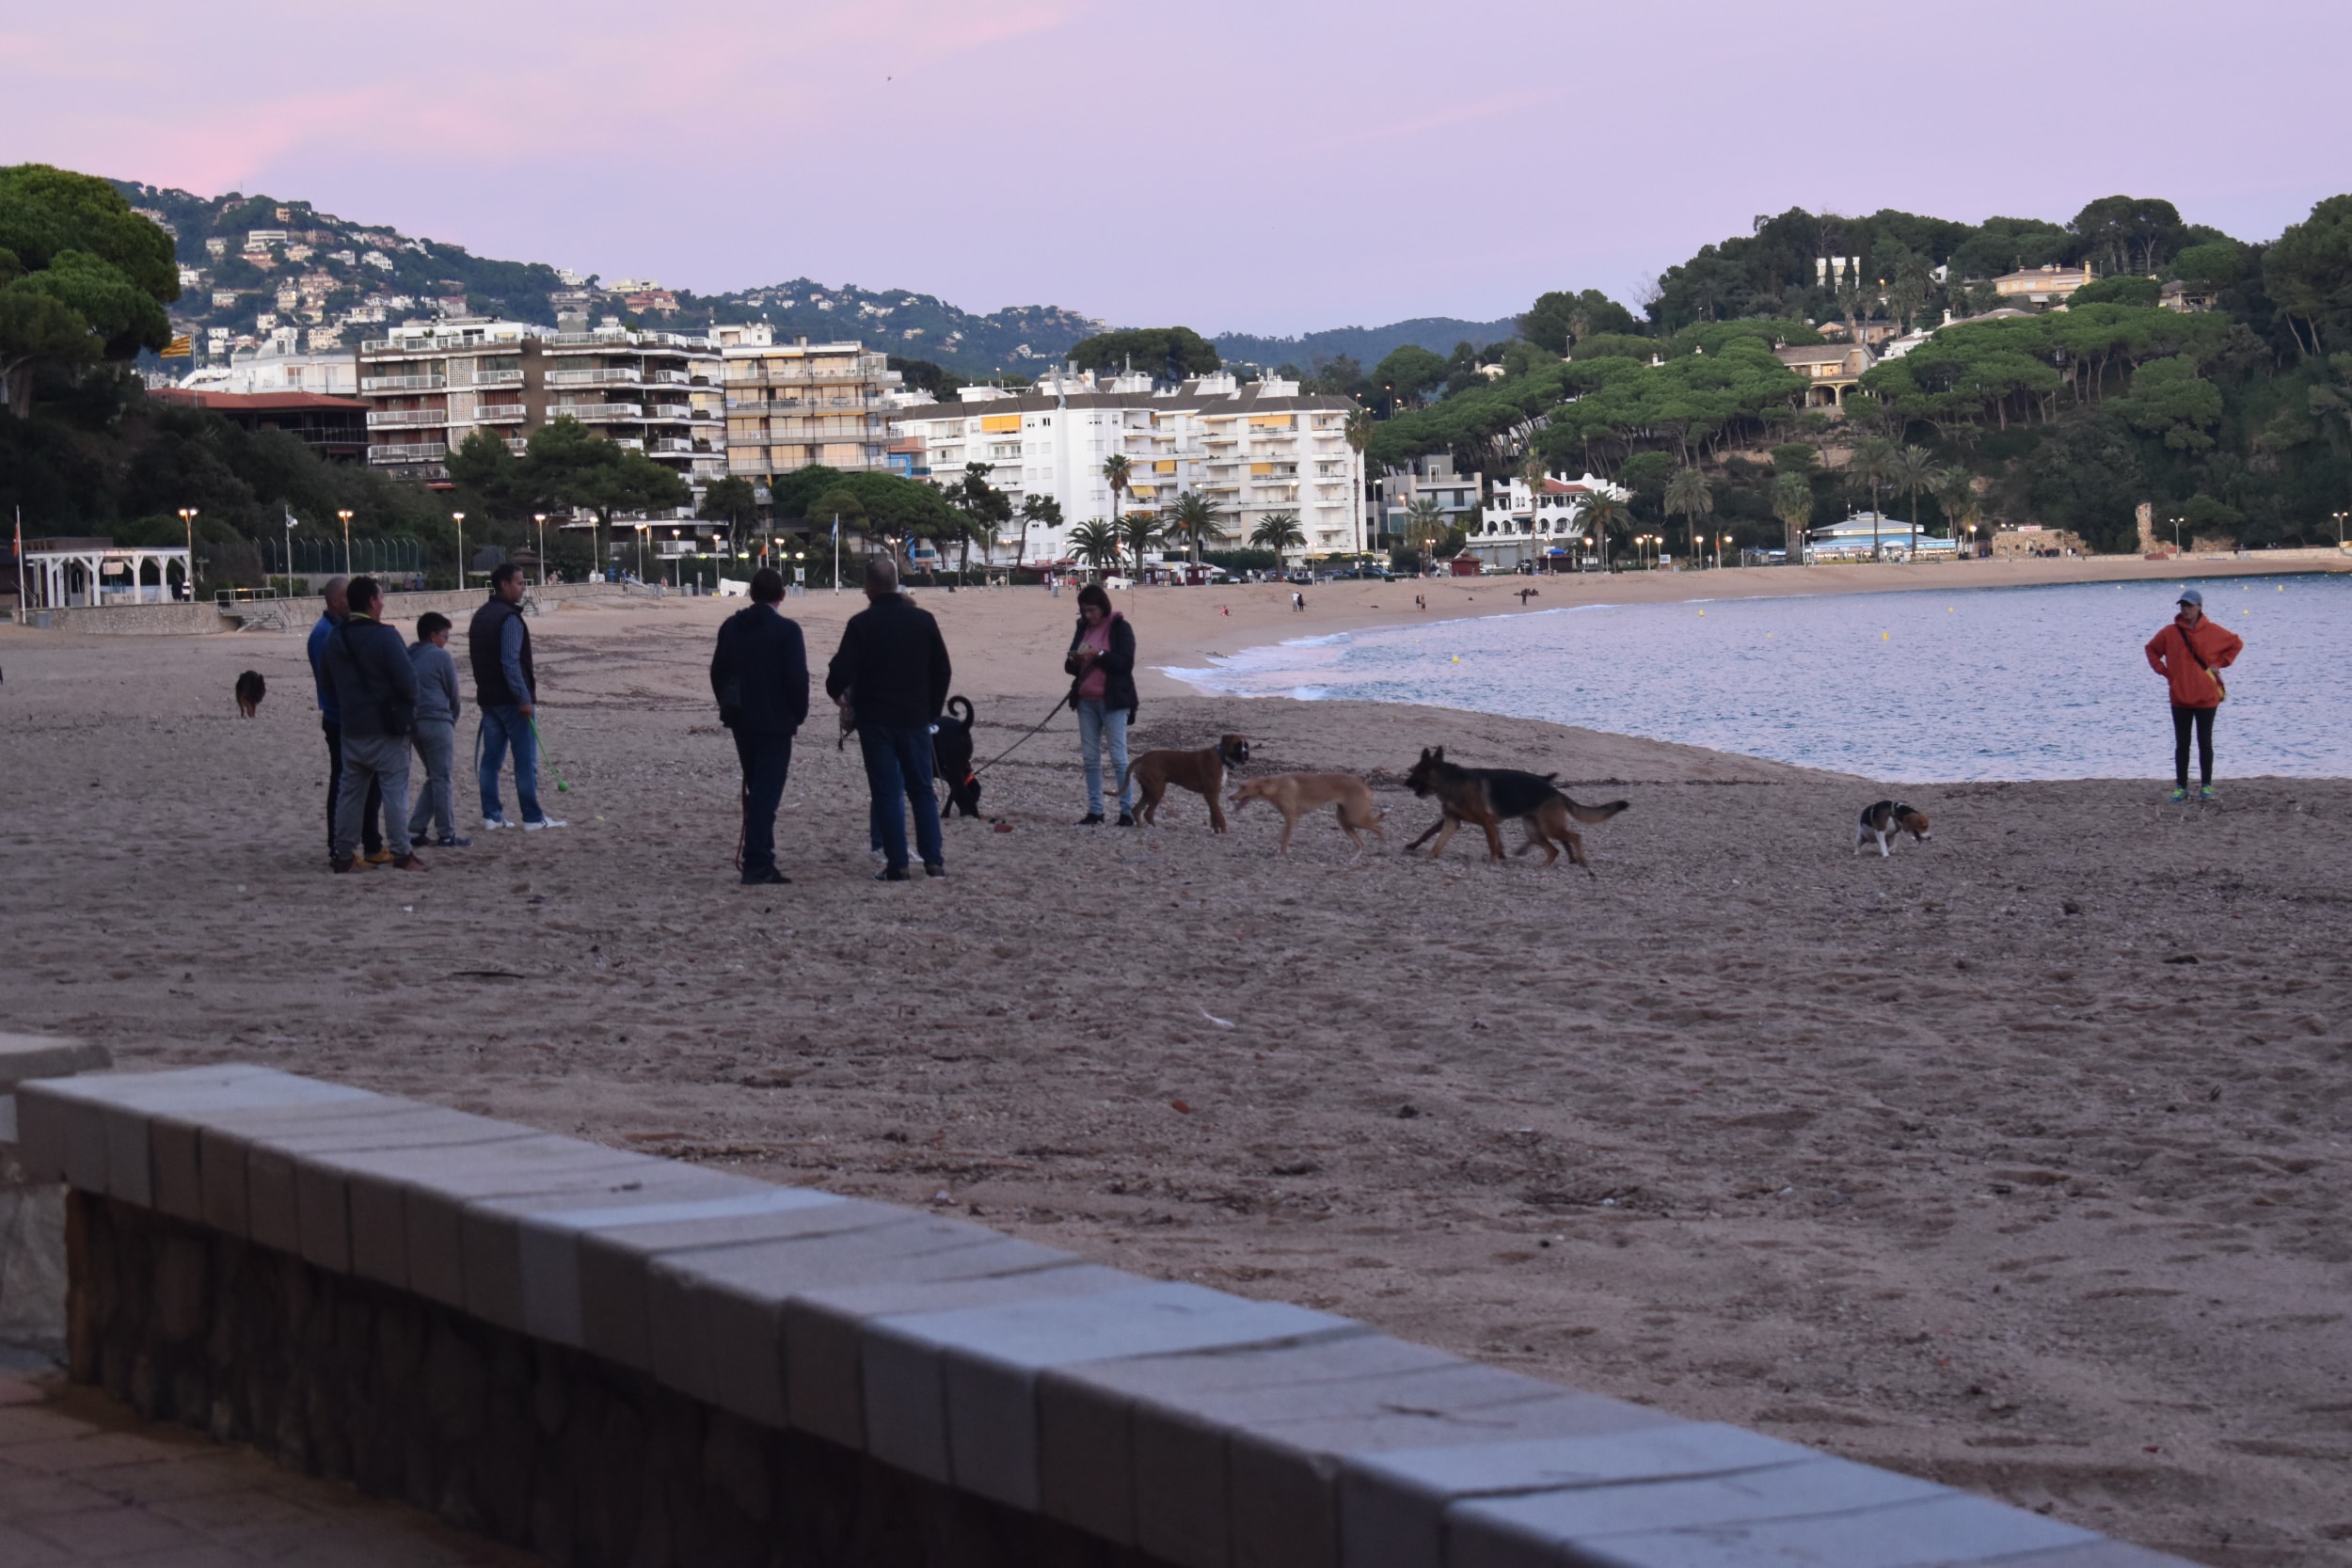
[(891, 874), (935, 869), (765, 877), (1091, 819), (1126, 819)]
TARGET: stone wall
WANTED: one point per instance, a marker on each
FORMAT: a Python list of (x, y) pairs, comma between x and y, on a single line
[(537, 1445), (613, 1358)]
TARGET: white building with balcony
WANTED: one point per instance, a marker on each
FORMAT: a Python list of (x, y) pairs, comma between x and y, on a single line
[(1521, 525), (1253, 449), (790, 405)]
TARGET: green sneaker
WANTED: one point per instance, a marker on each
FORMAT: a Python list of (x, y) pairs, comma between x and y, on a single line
[(2180, 795), (2206, 796)]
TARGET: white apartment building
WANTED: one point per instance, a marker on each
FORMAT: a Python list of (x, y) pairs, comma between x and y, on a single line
[(789, 406), (1394, 494), (430, 385), (1253, 448), (277, 365), (1521, 525)]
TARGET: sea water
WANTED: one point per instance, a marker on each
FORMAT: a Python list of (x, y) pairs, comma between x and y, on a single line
[(1912, 686)]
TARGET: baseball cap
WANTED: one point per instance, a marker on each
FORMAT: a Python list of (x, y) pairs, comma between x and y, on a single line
[(2190, 596)]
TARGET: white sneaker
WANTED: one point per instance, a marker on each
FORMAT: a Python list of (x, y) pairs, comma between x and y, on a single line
[(543, 822), (492, 824)]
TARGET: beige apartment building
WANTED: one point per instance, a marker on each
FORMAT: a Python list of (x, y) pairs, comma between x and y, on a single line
[(430, 385), (789, 406), (1252, 450)]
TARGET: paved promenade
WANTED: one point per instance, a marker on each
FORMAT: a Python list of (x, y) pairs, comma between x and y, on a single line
[(83, 1481)]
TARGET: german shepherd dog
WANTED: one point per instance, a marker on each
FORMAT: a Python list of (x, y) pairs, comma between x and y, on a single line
[(1489, 796), (251, 689), (951, 757)]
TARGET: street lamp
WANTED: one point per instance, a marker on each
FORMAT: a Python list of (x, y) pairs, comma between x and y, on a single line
[(1721, 540), (459, 518), (187, 573), (541, 518), (290, 528), (345, 516), (2340, 517)]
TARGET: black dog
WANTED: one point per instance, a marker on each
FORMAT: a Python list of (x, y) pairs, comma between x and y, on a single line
[(951, 757)]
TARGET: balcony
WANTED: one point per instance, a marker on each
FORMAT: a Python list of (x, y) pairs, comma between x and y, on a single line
[(408, 451), (594, 412), (670, 411), (498, 378), (629, 443), (403, 383), (669, 444), (669, 378), (601, 377), (406, 419), (499, 413)]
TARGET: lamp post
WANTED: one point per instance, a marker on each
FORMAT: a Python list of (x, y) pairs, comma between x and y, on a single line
[(676, 562), (187, 573), (345, 516), (2340, 517), (1721, 540), (290, 528), (541, 518), (459, 518)]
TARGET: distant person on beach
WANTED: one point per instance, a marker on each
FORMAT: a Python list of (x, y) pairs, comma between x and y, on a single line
[(375, 691), (336, 595), (891, 673), (437, 708), (1101, 664), (2190, 654), (759, 674), (497, 646), (1299, 600)]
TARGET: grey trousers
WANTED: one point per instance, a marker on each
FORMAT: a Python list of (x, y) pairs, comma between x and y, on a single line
[(437, 748), (381, 760)]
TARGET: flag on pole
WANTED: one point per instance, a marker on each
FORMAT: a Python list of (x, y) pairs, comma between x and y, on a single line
[(182, 348)]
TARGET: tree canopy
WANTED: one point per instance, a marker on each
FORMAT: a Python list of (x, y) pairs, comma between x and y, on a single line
[(82, 277), (1165, 352)]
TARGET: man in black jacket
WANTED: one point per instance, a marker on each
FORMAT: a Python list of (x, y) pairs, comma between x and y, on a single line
[(366, 663), (759, 674), (892, 674)]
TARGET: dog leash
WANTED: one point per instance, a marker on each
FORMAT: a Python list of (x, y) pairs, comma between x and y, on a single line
[(1016, 745)]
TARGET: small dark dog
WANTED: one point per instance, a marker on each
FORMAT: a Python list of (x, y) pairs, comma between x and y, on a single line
[(951, 757), (1887, 822), (1201, 771), (251, 689)]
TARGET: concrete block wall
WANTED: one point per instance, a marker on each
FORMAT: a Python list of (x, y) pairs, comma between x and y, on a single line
[(610, 1357)]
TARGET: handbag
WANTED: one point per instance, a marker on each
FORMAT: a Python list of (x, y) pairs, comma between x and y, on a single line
[(2212, 674)]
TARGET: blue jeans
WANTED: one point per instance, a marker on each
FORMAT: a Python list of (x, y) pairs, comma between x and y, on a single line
[(899, 765), (503, 726), (1095, 726), (766, 761)]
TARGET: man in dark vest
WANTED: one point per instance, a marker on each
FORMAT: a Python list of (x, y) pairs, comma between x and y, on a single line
[(759, 674), (499, 646)]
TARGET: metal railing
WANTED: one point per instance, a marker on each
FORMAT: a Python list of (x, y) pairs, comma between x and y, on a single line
[(603, 376), (498, 378), (403, 383), (588, 411), (409, 452), (405, 419), (499, 413)]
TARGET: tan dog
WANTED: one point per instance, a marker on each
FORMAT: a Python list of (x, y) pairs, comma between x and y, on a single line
[(1201, 771), (1296, 794)]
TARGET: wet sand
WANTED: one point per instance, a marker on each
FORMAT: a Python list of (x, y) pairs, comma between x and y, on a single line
[(1952, 1163)]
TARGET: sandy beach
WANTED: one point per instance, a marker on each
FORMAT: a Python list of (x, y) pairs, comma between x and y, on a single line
[(2018, 1160)]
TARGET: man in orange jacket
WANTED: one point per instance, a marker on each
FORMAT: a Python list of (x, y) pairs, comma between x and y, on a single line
[(2190, 654)]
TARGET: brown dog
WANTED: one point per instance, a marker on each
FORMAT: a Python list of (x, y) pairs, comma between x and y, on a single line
[(1296, 794), (1201, 771), (1488, 797)]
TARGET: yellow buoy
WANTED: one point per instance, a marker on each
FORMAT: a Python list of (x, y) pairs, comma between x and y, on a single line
[(1881, 637)]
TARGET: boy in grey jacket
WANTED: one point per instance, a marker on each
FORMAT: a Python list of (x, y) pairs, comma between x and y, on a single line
[(436, 732)]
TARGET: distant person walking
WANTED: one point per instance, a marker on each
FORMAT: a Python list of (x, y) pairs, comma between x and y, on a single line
[(1101, 664), (336, 595), (376, 690), (2190, 654), (497, 646), (1299, 600), (892, 673), (759, 674), (437, 708)]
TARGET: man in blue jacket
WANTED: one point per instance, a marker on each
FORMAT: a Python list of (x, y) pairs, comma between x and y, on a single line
[(498, 644), (891, 674), (759, 674), (331, 722), (376, 690)]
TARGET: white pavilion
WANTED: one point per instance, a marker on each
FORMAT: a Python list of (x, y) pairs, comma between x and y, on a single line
[(59, 574)]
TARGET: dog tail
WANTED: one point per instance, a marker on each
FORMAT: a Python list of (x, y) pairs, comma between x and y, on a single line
[(1595, 813), (1126, 777), (963, 718)]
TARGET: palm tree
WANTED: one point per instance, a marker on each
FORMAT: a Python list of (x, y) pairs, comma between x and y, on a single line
[(1792, 503), (1955, 491), (1425, 524), (1098, 544), (1688, 494), (1868, 470), (1360, 430), (1043, 510), (1115, 475), (1194, 521), (1141, 531), (1278, 531), (1601, 512), (1911, 469)]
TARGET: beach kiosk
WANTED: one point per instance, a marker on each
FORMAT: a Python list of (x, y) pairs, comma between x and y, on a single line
[(60, 573)]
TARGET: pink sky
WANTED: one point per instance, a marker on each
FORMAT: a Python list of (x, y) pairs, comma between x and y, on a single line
[(1263, 167)]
